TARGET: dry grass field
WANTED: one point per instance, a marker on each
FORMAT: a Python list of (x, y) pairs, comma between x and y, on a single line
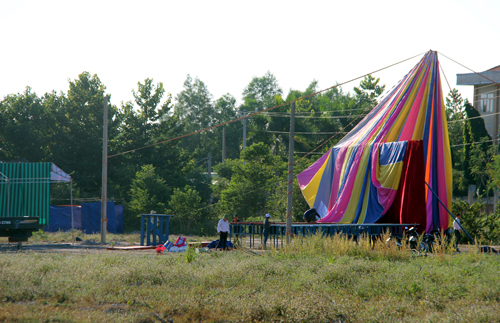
[(313, 280)]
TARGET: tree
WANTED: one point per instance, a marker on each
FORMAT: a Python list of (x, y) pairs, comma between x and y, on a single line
[(186, 206), (138, 128), (475, 134), (480, 167), (27, 127), (148, 192), (148, 98), (253, 180), (225, 108), (455, 117), (78, 142), (194, 105), (368, 91), (260, 92)]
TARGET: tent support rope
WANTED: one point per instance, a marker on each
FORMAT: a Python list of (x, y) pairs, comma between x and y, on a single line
[(454, 217)]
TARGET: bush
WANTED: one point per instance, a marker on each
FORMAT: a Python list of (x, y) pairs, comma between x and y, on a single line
[(481, 226)]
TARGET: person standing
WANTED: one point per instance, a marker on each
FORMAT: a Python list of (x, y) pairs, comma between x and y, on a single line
[(223, 231), (266, 229), (458, 230)]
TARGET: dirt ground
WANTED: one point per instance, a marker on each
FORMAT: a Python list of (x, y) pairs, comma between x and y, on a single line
[(93, 247)]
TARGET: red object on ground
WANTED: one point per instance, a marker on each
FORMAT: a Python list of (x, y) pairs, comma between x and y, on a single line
[(160, 248), (180, 242)]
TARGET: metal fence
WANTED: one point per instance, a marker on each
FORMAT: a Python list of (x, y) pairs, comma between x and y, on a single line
[(252, 231)]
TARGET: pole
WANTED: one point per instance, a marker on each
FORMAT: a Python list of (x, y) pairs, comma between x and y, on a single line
[(104, 220), (290, 174), (71, 201), (449, 212), (244, 130), (210, 167), (495, 142), (223, 144), (8, 196)]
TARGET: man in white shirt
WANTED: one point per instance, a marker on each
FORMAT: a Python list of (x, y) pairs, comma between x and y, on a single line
[(223, 231), (458, 230)]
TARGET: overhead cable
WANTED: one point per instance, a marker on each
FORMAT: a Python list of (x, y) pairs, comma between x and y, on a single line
[(258, 112)]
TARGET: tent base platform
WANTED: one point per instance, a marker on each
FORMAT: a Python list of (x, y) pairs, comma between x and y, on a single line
[(277, 234)]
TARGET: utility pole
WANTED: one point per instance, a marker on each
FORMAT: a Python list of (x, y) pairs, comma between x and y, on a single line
[(223, 144), (495, 142), (244, 130), (104, 199), (290, 175), (210, 167)]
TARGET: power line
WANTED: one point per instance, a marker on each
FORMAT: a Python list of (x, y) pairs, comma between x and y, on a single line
[(472, 143), (285, 115), (469, 70), (327, 111), (258, 112), (465, 119), (301, 133)]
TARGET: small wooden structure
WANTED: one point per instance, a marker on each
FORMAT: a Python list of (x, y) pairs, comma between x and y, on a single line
[(155, 228)]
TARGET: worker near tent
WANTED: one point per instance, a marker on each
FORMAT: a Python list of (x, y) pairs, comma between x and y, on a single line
[(266, 229), (311, 216), (236, 229), (223, 231), (458, 230)]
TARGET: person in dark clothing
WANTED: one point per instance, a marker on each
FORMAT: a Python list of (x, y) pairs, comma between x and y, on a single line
[(266, 229), (311, 216)]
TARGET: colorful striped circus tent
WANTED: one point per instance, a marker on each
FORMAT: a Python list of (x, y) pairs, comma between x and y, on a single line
[(378, 171)]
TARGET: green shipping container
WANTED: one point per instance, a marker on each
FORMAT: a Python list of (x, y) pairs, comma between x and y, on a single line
[(25, 189)]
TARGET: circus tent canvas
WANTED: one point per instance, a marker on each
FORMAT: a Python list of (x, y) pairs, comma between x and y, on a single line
[(380, 167)]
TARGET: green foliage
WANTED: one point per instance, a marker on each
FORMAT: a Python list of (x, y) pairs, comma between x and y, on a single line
[(253, 180), (41, 234), (260, 93), (369, 90), (474, 131), (480, 160), (454, 115), (185, 204), (66, 128), (24, 115), (483, 227), (148, 192), (189, 255)]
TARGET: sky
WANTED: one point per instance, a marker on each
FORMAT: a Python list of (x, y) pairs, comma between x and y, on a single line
[(227, 43)]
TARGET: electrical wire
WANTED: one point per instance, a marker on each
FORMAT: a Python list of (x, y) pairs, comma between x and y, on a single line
[(482, 116), (467, 123), (259, 112)]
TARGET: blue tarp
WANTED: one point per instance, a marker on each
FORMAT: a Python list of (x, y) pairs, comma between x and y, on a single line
[(91, 217), (60, 218), (214, 243), (86, 218), (119, 218)]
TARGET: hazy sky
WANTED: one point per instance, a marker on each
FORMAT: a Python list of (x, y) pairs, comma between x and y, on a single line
[(226, 43)]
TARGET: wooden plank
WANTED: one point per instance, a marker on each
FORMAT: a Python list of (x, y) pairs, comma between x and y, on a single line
[(131, 248)]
